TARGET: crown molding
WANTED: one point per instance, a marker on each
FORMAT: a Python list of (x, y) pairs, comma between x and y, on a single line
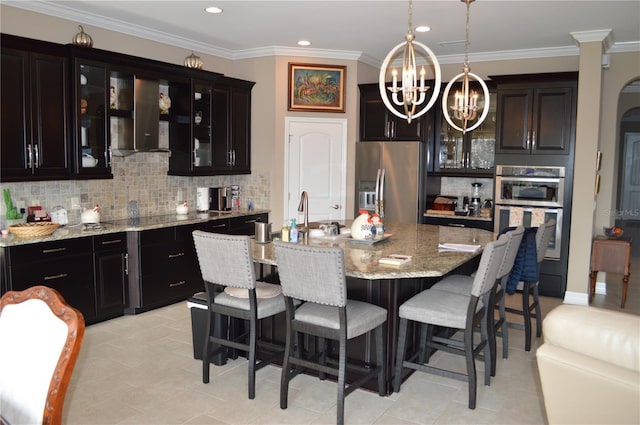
[(65, 12)]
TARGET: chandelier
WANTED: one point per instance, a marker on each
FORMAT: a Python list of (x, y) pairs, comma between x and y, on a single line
[(465, 102), (411, 94), (193, 61)]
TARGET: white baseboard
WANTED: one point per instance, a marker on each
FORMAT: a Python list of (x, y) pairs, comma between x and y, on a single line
[(577, 298), (601, 283)]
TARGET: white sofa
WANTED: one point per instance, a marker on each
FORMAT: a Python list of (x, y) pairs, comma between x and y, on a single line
[(590, 366)]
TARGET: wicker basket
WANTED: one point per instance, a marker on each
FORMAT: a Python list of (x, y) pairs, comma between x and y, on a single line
[(29, 230)]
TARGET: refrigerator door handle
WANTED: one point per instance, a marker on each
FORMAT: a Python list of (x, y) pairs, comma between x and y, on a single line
[(381, 206), (377, 199)]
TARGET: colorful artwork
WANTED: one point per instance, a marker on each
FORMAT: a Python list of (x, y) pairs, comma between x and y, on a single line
[(316, 87)]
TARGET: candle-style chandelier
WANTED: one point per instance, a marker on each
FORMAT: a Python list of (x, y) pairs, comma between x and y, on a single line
[(411, 94), (465, 102)]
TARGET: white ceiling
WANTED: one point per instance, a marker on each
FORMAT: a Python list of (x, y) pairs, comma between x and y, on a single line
[(364, 30)]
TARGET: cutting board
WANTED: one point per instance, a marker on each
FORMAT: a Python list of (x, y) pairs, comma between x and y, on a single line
[(441, 212)]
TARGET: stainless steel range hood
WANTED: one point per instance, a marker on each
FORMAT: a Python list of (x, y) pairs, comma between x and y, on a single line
[(144, 137)]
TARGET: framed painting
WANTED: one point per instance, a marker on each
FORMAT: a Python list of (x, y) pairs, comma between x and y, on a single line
[(319, 88)]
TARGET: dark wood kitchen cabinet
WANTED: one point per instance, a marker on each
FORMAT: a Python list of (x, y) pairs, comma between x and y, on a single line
[(377, 123), (110, 274), (163, 267), (536, 114), (221, 130), (65, 265), (34, 109)]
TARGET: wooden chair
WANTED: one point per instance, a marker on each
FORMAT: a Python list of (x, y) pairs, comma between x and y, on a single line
[(40, 339), (611, 256)]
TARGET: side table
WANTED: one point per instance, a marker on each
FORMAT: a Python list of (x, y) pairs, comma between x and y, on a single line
[(610, 255)]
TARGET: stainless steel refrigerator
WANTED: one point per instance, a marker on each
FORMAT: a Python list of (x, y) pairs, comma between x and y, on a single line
[(390, 180)]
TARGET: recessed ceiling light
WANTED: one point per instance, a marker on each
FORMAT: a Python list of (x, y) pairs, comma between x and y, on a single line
[(213, 9), (423, 28), (304, 43)]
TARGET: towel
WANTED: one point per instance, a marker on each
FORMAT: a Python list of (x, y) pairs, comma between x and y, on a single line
[(525, 266), (515, 216), (537, 217)]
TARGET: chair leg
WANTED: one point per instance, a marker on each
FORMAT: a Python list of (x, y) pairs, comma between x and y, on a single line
[(536, 300), (402, 341), (206, 354), (342, 366), (286, 367), (380, 360), (253, 330), (526, 311), (471, 366), (422, 357), (488, 323), (322, 346), (504, 328), (486, 337)]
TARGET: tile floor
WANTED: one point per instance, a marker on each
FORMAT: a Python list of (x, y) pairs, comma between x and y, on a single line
[(140, 370)]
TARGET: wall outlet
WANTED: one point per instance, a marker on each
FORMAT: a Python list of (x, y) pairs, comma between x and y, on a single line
[(75, 203)]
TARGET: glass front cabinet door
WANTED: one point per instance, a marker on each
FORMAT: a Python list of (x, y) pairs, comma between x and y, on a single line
[(469, 153)]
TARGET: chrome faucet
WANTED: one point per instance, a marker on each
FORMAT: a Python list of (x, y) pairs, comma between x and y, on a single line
[(303, 206)]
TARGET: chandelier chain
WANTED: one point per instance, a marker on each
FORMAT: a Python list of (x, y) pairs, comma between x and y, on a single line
[(410, 22), (466, 41)]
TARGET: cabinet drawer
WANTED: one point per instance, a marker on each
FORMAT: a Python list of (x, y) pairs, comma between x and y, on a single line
[(49, 250), (72, 276), (155, 236), (246, 225), (110, 242), (164, 287), (184, 233), (218, 226)]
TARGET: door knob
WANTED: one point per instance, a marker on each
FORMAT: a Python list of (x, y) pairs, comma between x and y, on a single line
[(335, 206)]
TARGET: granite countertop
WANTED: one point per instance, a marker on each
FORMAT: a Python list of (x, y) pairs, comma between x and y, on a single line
[(420, 241), (127, 225)]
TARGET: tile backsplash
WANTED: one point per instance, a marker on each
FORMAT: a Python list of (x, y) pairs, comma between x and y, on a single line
[(461, 186), (141, 177)]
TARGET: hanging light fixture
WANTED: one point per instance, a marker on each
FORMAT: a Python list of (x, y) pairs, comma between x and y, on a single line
[(411, 94), (193, 61), (465, 102)]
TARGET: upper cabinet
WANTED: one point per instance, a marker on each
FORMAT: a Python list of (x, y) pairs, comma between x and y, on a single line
[(377, 123), (34, 109), (221, 130), (471, 153), (536, 114)]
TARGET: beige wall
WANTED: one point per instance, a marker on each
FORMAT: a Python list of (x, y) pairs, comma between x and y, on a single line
[(270, 101)]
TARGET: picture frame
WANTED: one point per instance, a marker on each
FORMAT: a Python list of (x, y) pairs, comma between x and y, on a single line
[(317, 87)]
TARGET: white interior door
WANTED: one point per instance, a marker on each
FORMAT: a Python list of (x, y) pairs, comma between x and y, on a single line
[(630, 204), (315, 162)]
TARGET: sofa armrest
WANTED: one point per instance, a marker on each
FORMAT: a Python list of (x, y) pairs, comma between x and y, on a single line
[(609, 336)]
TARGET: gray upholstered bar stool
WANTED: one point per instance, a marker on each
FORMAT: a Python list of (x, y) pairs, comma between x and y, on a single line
[(315, 276), (228, 272), (461, 284), (458, 312), (530, 289)]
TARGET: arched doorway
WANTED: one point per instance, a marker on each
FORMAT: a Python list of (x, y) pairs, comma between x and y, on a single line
[(628, 199)]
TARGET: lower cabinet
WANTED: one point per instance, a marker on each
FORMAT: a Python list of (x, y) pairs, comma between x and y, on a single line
[(110, 274), (163, 267), (459, 222), (65, 265)]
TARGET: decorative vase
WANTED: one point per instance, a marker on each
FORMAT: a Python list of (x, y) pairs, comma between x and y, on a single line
[(362, 227)]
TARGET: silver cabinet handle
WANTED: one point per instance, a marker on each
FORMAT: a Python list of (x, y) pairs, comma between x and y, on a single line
[(173, 285), (126, 264), (195, 154), (528, 140), (455, 225), (179, 254), (111, 242), (393, 129), (533, 143), (234, 157), (36, 163), (49, 251), (29, 157), (56, 276), (218, 226)]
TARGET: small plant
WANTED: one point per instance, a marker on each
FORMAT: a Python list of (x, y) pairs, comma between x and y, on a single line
[(12, 212)]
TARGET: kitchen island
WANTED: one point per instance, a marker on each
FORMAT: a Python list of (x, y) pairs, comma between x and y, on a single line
[(390, 286)]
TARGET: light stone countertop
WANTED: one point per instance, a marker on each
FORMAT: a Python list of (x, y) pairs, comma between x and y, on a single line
[(127, 225), (420, 241)]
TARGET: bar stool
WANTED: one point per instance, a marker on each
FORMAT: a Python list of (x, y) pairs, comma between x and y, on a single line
[(315, 276), (226, 264), (433, 307), (611, 256)]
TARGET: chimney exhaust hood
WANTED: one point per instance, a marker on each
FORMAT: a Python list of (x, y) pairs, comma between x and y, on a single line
[(144, 136)]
